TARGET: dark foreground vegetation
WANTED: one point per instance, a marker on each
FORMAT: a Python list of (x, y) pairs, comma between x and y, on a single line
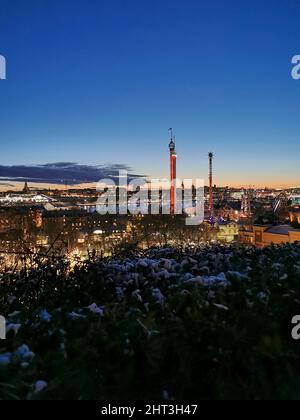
[(211, 323)]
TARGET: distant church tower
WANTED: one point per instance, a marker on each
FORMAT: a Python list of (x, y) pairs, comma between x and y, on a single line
[(26, 189)]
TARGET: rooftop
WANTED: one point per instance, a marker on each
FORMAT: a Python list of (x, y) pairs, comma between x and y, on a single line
[(282, 229)]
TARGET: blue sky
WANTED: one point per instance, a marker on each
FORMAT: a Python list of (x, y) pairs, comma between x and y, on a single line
[(100, 82)]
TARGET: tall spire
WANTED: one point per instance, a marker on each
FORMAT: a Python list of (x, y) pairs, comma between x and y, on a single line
[(26, 189), (211, 202), (173, 159)]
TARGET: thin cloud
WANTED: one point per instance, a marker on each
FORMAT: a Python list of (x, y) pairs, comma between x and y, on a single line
[(63, 172)]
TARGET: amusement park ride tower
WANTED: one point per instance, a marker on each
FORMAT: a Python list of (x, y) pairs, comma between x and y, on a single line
[(211, 203), (173, 159)]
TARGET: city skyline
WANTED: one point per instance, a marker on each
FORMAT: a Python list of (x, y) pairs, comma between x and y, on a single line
[(98, 83)]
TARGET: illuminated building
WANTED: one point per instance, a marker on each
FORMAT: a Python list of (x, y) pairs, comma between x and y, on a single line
[(228, 211), (228, 232), (20, 218), (246, 204), (295, 215), (295, 198), (42, 240), (262, 236), (23, 199)]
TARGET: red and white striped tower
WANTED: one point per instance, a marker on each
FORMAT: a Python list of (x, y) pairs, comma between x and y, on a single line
[(173, 158), (211, 203)]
